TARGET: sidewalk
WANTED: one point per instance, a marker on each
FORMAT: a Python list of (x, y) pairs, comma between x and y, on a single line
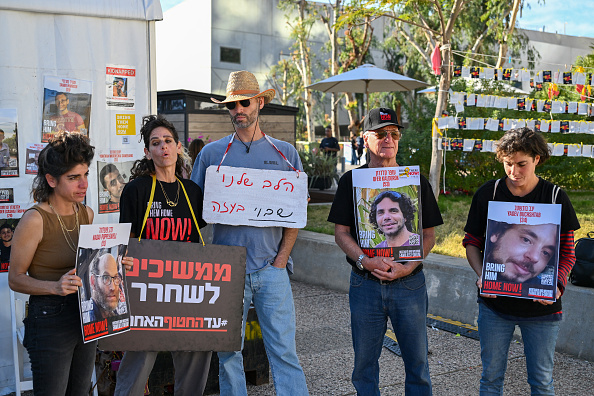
[(325, 351)]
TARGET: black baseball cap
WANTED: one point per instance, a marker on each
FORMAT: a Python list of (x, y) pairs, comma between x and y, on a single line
[(380, 117)]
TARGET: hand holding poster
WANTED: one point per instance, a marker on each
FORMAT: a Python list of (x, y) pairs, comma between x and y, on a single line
[(103, 298), (388, 212), (255, 197), (522, 250)]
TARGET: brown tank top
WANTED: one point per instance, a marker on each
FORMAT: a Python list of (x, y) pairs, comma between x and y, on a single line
[(53, 257)]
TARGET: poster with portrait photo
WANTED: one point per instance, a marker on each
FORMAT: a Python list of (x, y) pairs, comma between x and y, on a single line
[(522, 250), (66, 106), (9, 143), (120, 82), (111, 179), (32, 156), (7, 226), (388, 212), (103, 298)]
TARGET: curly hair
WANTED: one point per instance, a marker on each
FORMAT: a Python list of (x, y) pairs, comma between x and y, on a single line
[(63, 152), (145, 166), (406, 207), (523, 140)]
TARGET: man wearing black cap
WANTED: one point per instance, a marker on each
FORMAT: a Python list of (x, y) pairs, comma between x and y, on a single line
[(382, 288)]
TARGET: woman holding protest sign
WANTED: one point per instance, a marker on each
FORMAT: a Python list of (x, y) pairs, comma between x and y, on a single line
[(157, 179), (523, 255), (43, 265)]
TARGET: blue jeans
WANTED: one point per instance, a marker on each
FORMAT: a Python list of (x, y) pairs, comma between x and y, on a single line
[(61, 363), (270, 291), (539, 339), (405, 303)]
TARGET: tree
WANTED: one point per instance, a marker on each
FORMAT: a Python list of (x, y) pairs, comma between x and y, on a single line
[(301, 25), (430, 24)]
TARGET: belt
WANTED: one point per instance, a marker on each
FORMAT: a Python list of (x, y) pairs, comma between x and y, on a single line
[(368, 275)]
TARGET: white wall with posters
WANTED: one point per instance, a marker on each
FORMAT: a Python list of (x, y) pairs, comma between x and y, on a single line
[(101, 54)]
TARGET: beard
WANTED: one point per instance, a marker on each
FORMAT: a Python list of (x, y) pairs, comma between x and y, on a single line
[(395, 232), (250, 119)]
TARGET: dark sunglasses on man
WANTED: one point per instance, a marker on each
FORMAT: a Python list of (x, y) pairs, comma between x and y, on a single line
[(382, 133), (243, 103)]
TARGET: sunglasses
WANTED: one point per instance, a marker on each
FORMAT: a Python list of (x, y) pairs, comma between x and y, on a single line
[(382, 133), (243, 103)]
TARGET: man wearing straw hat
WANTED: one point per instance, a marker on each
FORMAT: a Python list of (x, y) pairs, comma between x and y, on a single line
[(268, 262)]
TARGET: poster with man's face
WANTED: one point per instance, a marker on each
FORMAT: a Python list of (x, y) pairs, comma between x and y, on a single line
[(388, 212), (9, 144), (522, 250), (111, 179), (66, 106), (103, 298), (7, 227)]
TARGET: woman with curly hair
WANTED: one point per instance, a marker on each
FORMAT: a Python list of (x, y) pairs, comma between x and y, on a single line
[(161, 171), (43, 265)]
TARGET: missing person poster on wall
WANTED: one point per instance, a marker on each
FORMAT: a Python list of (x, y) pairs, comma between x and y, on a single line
[(522, 250), (66, 106), (112, 176), (32, 157), (388, 212), (9, 144), (103, 298), (121, 87), (7, 227)]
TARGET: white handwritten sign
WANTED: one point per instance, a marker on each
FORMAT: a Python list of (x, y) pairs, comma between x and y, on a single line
[(255, 197)]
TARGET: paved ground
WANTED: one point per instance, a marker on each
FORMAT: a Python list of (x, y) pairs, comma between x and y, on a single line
[(324, 348)]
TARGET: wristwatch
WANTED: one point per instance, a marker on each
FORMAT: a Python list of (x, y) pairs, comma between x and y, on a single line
[(359, 262)]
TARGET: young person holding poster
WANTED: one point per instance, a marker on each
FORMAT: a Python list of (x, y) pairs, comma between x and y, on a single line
[(382, 287), (163, 161), (520, 151), (43, 265)]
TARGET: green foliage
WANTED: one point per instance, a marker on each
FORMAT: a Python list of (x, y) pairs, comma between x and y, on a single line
[(317, 165)]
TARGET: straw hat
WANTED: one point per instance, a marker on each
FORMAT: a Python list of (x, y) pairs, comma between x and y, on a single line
[(243, 85)]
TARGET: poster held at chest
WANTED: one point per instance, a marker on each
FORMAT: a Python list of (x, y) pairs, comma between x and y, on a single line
[(255, 197), (522, 250), (388, 212), (66, 106), (183, 297), (103, 298), (9, 143)]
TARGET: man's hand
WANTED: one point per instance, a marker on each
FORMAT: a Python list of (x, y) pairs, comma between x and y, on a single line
[(372, 264), (479, 284), (548, 302), (396, 270)]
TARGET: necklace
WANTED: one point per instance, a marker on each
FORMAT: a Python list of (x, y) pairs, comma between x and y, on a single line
[(65, 231), (170, 202), (247, 148)]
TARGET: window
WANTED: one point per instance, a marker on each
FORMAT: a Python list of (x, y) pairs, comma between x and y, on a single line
[(230, 55)]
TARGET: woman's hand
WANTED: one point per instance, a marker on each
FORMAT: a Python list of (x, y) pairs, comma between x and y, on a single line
[(68, 283)]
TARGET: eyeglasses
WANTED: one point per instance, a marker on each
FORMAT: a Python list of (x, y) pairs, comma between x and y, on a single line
[(106, 279), (243, 103), (382, 133)]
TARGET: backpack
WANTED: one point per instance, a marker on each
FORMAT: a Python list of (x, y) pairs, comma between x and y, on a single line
[(582, 273)]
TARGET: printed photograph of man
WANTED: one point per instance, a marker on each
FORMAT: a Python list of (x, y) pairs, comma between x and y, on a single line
[(119, 88), (525, 250), (392, 214), (105, 281), (112, 182), (4, 151), (65, 119), (6, 237)]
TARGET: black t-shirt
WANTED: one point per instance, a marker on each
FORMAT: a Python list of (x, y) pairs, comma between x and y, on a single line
[(164, 223), (477, 226), (343, 208), (330, 142)]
